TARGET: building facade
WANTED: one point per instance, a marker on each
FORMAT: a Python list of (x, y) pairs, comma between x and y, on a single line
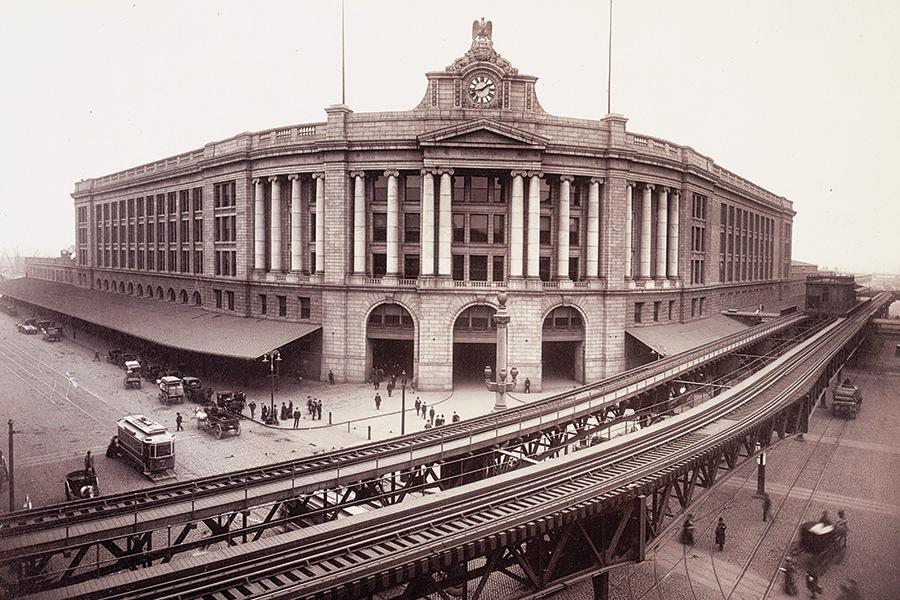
[(395, 231)]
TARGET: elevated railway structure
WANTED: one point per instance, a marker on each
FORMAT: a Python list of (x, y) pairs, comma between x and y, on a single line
[(60, 544), (540, 526)]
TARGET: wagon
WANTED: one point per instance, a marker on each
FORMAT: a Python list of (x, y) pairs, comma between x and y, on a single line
[(170, 390), (218, 421), (79, 486), (818, 546), (232, 402)]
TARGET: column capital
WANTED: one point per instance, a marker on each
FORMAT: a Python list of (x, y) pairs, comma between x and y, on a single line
[(599, 180), (518, 173), (631, 184), (445, 172), (664, 188), (318, 175), (649, 186), (568, 178), (430, 171), (293, 177), (392, 173), (257, 180), (274, 178), (355, 174), (676, 192), (535, 173)]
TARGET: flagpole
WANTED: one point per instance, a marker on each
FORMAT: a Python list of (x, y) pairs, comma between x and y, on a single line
[(609, 65), (343, 78)]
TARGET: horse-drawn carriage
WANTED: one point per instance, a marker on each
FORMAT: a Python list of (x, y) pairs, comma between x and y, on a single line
[(82, 484), (819, 544), (232, 402), (218, 421)]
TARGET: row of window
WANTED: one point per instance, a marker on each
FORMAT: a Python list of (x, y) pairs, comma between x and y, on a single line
[(746, 245), (698, 306), (173, 261), (131, 290), (470, 189), (304, 306)]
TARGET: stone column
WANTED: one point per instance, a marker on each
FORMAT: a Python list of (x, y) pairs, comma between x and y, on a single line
[(592, 264), (517, 224), (296, 225), (275, 238), (674, 208), (646, 236), (359, 222), (427, 235), (662, 226), (629, 230), (393, 224), (445, 227), (534, 230), (259, 224), (562, 227), (320, 221)]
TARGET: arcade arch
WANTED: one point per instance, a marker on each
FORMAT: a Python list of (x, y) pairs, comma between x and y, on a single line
[(562, 346), (197, 300), (474, 343), (390, 340)]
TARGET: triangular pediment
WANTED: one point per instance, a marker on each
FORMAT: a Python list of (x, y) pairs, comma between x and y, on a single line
[(483, 132)]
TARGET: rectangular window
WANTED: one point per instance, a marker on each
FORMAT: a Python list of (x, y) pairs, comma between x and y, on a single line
[(413, 188), (459, 267), (185, 262), (546, 234), (171, 200), (459, 227), (218, 295), (139, 206), (198, 261), (459, 189), (305, 310), (223, 194), (198, 230), (544, 268), (656, 307), (411, 228), (574, 274), (499, 232), (498, 274), (184, 200), (379, 264), (496, 190), (312, 229), (229, 296), (671, 309), (574, 231), (282, 306), (478, 268), (479, 189), (638, 311), (379, 227), (700, 304), (160, 204), (263, 304), (197, 197), (693, 307), (478, 229), (545, 191), (185, 232), (380, 189), (410, 266), (172, 258)]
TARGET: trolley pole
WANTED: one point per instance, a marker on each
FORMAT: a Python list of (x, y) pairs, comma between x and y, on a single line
[(761, 474), (12, 480)]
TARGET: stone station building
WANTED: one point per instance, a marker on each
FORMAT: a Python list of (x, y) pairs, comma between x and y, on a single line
[(395, 231)]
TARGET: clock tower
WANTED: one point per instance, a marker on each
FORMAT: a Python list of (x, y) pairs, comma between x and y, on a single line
[(481, 80)]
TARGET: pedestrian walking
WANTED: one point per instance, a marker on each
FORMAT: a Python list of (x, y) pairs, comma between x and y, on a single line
[(309, 405), (377, 401), (252, 406), (418, 405), (330, 377), (291, 408), (812, 584), (318, 409), (687, 531), (88, 465), (390, 388), (263, 410), (297, 416), (96, 357), (720, 534), (178, 419), (431, 415), (455, 417), (790, 586), (767, 507), (527, 386)]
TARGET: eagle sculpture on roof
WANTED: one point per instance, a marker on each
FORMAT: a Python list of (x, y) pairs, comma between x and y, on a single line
[(481, 30)]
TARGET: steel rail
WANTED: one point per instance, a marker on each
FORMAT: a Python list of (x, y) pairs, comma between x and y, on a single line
[(62, 515), (406, 523)]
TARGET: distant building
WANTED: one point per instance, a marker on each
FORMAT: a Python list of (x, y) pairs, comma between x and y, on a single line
[(392, 233), (830, 294)]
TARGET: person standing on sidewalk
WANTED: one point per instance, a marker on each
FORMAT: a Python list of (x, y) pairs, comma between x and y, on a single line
[(330, 377), (767, 507), (418, 405), (431, 415), (720, 534), (252, 406), (424, 411), (297, 415), (178, 420), (377, 401), (527, 386)]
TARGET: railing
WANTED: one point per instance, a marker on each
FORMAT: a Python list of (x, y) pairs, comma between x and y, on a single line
[(372, 280), (407, 282), (550, 285)]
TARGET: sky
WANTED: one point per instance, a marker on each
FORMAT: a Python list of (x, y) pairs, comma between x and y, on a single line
[(799, 97)]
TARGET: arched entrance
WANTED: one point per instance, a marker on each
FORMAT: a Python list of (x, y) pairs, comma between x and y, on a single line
[(474, 344), (562, 347), (390, 341)]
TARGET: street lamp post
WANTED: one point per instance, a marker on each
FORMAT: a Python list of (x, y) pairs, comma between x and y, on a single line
[(403, 402), (500, 385), (270, 358)]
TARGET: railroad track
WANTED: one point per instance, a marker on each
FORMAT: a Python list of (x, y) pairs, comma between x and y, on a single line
[(342, 554), (386, 455)]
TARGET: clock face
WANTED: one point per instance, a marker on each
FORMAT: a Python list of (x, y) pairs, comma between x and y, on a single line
[(482, 89)]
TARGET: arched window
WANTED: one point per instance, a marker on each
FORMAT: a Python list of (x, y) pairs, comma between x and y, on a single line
[(479, 317), (99, 284), (197, 301), (106, 284), (184, 297), (563, 317), (130, 288), (140, 290), (121, 287), (171, 295), (150, 291), (390, 315), (159, 292)]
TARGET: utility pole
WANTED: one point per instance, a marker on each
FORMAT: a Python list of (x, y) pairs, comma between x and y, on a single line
[(12, 480), (609, 64)]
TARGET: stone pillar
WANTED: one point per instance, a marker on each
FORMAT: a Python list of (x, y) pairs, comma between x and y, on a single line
[(662, 226), (562, 227), (646, 236), (592, 264), (674, 208), (629, 230), (427, 235), (275, 226), (359, 222), (445, 226), (517, 224), (320, 221), (296, 225), (393, 224), (259, 224), (534, 230)]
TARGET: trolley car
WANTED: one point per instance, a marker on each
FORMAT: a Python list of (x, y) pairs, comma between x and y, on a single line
[(147, 446)]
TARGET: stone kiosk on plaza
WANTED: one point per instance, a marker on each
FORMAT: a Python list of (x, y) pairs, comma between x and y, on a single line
[(395, 232)]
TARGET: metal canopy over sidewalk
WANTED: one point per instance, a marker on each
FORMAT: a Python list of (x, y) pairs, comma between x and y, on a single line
[(675, 338), (178, 326)]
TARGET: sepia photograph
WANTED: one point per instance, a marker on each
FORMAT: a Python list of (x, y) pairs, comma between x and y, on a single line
[(471, 300)]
